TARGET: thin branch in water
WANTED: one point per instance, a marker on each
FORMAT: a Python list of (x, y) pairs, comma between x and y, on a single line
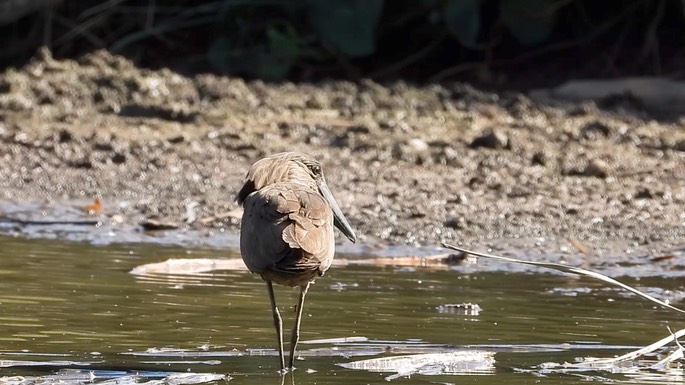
[(569, 269), (674, 356), (635, 353)]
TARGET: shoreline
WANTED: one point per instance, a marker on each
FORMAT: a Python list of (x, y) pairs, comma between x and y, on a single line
[(410, 166)]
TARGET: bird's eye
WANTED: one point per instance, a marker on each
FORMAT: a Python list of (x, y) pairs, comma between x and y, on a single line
[(316, 169)]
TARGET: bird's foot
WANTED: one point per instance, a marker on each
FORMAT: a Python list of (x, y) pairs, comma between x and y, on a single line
[(284, 371)]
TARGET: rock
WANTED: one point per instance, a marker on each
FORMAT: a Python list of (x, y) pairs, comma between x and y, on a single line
[(64, 136), (493, 139), (455, 223), (117, 219), (153, 224), (597, 168), (176, 139), (118, 158), (594, 129), (539, 158), (414, 150), (644, 193)]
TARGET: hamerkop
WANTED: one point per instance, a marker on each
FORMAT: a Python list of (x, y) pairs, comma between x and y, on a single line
[(287, 229)]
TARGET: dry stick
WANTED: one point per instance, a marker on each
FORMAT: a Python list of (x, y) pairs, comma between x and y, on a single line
[(448, 72), (350, 70), (651, 41), (409, 60), (159, 29), (606, 362), (83, 29), (27, 222), (569, 269), (100, 8), (220, 216), (636, 353), (675, 355), (649, 171)]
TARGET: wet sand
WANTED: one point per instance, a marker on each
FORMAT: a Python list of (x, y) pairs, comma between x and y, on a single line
[(411, 165)]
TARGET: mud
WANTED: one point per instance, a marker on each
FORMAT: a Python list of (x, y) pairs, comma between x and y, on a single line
[(409, 165)]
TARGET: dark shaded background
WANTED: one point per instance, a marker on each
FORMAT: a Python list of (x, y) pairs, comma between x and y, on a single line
[(427, 40)]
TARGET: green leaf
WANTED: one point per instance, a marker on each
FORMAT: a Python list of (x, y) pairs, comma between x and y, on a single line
[(350, 25), (286, 44), (219, 53), (530, 21), (259, 61), (462, 18)]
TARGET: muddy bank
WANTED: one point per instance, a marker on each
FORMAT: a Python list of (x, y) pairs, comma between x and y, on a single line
[(410, 165)]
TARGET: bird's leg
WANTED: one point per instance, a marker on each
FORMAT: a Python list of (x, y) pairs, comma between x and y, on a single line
[(278, 322), (295, 336)]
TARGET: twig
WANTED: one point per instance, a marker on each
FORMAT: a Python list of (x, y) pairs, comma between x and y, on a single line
[(32, 222), (409, 60), (99, 8), (651, 44), (350, 70), (159, 29), (675, 355), (150, 14), (569, 269), (82, 29), (648, 171), (454, 70), (636, 353), (539, 52), (236, 213)]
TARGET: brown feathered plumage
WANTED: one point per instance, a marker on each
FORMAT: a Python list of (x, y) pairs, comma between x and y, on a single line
[(287, 231), (287, 234)]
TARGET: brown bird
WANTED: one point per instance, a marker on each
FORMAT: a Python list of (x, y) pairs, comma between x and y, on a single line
[(287, 233)]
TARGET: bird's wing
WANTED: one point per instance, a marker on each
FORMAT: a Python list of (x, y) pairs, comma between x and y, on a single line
[(311, 224), (286, 227)]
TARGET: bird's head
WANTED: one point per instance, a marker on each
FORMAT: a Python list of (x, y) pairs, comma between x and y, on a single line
[(298, 168)]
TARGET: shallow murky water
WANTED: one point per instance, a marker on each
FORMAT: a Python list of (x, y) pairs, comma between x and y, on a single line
[(73, 312)]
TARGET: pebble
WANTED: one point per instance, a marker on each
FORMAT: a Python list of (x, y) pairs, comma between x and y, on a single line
[(597, 168), (492, 139)]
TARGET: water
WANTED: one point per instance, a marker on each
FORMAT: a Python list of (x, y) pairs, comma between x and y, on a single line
[(69, 311)]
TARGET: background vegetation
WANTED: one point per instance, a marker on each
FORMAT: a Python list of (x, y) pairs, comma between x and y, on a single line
[(488, 41)]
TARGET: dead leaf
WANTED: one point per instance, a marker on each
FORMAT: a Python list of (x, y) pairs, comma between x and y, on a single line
[(661, 258), (580, 246), (93, 208)]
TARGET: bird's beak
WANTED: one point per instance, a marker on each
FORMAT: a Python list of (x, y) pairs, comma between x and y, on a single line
[(339, 219)]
